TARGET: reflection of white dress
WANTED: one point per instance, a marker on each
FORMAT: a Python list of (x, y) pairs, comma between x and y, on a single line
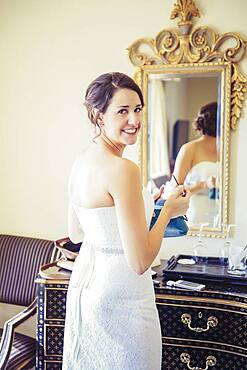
[(203, 209), (111, 318)]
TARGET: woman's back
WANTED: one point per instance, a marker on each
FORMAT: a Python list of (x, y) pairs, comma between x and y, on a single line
[(205, 150), (91, 174)]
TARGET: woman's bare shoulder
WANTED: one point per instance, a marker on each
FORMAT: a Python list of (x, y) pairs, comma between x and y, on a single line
[(125, 167), (191, 144), (127, 164), (124, 173), (188, 149)]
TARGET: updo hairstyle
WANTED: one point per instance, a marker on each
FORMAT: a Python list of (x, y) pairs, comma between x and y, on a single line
[(206, 121), (100, 92)]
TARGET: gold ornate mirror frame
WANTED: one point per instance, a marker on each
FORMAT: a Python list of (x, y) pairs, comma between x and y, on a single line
[(192, 51)]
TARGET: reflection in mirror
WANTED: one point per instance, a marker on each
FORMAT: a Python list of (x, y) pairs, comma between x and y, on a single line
[(184, 139), (180, 71)]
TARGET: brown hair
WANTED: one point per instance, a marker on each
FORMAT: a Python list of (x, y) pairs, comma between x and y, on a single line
[(100, 92), (206, 121)]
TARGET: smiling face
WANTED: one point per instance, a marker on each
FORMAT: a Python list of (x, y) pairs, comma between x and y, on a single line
[(122, 120)]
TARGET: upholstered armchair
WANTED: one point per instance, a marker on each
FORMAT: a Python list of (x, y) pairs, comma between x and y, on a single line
[(20, 259)]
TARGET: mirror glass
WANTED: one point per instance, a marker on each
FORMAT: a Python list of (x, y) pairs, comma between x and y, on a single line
[(185, 133)]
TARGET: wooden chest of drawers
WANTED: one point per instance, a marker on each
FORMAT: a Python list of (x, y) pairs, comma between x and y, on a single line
[(50, 323), (200, 330), (205, 329)]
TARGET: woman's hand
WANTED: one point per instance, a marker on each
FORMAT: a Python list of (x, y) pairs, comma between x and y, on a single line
[(198, 187), (157, 193), (177, 204), (211, 182)]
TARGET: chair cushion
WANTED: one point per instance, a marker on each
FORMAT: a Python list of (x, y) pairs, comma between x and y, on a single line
[(23, 351), (20, 259)]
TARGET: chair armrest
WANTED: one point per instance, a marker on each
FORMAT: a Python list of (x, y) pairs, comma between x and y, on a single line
[(8, 331)]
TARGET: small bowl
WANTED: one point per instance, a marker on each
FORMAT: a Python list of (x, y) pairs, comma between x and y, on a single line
[(67, 248)]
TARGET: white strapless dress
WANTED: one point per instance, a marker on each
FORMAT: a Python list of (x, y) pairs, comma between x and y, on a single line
[(203, 209), (111, 318)]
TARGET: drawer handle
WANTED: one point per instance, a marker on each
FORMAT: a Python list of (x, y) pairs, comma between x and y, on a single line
[(185, 358), (212, 321)]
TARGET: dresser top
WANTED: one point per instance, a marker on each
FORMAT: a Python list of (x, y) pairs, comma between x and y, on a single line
[(229, 292)]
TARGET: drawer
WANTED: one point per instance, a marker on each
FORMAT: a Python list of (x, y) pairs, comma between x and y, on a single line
[(204, 324), (182, 358), (53, 365), (53, 340), (55, 304)]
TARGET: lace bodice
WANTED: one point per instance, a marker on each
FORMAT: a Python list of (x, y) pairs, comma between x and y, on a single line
[(202, 171), (202, 208), (100, 225)]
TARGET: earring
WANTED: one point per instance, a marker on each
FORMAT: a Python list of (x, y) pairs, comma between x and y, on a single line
[(99, 122)]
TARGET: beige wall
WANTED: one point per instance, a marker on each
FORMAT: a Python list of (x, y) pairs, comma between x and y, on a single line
[(51, 50), (202, 91), (185, 98)]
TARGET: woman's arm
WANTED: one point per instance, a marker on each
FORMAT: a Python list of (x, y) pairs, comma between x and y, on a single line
[(141, 245), (183, 165), (75, 232), (183, 162)]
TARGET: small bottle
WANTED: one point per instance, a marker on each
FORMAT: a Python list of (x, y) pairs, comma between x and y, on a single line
[(200, 249), (224, 250)]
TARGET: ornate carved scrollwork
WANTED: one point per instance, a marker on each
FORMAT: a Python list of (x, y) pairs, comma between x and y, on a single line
[(200, 45), (185, 9)]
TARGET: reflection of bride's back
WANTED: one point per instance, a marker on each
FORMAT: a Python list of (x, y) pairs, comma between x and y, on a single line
[(204, 204), (197, 166)]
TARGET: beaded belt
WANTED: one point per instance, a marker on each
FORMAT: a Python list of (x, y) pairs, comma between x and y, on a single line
[(105, 250)]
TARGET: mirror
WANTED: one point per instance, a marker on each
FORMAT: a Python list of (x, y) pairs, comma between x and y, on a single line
[(173, 104), (181, 75)]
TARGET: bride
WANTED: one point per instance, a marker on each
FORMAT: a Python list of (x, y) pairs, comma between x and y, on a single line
[(111, 318), (198, 166)]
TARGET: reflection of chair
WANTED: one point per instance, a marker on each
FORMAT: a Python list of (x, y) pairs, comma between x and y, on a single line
[(180, 136), (158, 181), (20, 259)]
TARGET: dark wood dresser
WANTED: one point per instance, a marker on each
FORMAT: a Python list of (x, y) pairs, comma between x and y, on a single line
[(203, 329), (200, 330)]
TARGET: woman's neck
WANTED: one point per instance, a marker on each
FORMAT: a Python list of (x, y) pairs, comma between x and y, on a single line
[(208, 137), (210, 144), (209, 140), (116, 148)]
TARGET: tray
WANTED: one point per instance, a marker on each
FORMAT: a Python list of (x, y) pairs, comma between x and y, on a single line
[(54, 272), (207, 269)]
